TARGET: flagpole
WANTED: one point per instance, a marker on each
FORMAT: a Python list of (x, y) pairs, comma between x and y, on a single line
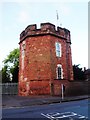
[(57, 17)]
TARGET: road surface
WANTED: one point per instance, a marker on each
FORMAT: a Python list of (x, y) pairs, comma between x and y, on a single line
[(75, 110)]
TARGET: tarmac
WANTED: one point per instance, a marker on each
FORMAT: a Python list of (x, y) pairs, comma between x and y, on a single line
[(12, 101)]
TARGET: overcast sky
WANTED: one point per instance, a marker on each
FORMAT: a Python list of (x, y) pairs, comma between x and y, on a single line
[(73, 15)]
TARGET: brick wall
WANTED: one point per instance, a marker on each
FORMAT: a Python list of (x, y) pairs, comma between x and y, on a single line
[(76, 88), (72, 88), (38, 61)]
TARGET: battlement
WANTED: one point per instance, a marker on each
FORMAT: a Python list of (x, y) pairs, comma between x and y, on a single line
[(45, 28)]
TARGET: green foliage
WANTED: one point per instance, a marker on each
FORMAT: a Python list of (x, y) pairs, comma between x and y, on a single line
[(12, 58), (0, 76), (11, 67), (5, 75), (78, 73)]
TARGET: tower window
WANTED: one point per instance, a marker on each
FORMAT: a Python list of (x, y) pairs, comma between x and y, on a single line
[(58, 49), (59, 72)]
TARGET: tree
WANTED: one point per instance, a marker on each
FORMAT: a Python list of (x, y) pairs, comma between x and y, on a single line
[(0, 76), (11, 67), (78, 73), (5, 75)]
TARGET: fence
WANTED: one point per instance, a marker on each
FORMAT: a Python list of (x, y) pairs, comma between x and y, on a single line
[(9, 88)]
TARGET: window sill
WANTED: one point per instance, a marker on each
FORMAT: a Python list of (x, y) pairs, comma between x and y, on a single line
[(58, 79)]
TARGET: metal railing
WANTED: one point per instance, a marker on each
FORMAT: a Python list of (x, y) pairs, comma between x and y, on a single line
[(9, 88)]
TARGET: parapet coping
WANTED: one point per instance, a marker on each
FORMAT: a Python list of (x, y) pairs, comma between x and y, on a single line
[(45, 29)]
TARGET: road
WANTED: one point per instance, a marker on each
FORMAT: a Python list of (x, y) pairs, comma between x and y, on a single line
[(75, 110)]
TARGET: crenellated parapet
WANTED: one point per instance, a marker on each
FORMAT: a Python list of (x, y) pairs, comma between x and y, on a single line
[(45, 29)]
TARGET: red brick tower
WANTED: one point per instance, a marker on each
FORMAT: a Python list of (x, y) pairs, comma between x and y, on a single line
[(45, 60)]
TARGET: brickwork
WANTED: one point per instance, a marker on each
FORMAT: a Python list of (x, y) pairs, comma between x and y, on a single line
[(38, 60)]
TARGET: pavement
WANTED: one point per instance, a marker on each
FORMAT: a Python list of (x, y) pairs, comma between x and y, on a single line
[(10, 101)]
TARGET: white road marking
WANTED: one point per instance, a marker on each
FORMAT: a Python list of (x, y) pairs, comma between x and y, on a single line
[(45, 115), (57, 115), (53, 114)]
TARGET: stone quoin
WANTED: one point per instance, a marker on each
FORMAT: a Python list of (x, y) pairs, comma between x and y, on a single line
[(45, 60)]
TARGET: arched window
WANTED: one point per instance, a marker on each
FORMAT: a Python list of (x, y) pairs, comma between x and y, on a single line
[(59, 71)]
